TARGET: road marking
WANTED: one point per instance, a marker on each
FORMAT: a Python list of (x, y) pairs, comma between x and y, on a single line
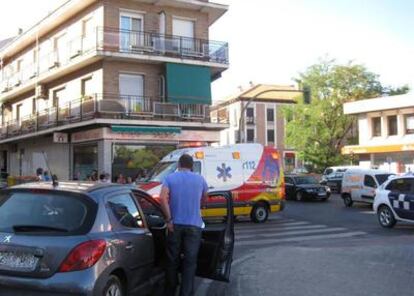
[(286, 233), (276, 230), (266, 226), (300, 238), (368, 212)]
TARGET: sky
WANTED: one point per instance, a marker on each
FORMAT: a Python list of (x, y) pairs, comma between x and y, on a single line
[(271, 41)]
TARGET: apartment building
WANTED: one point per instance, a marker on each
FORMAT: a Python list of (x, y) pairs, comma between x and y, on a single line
[(97, 81), (263, 121), (386, 133)]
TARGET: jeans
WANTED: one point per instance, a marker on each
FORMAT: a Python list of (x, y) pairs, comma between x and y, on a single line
[(185, 240)]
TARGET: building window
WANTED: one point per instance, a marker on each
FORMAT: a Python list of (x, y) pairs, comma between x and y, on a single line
[(270, 136), (409, 124), (392, 125), (131, 88), (58, 97), (86, 87), (18, 112), (250, 135), (376, 126), (185, 29), (270, 115), (132, 26), (250, 115)]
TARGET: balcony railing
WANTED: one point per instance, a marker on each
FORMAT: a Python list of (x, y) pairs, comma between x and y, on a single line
[(120, 41), (126, 41), (109, 106)]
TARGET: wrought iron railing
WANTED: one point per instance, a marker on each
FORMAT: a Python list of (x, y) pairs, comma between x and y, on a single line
[(110, 106), (122, 41), (126, 41)]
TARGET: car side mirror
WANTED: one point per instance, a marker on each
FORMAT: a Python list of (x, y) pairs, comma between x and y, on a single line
[(156, 222)]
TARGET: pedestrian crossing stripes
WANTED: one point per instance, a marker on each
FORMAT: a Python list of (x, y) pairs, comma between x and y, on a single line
[(279, 230)]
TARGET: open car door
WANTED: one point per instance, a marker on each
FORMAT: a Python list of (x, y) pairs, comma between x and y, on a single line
[(216, 251)]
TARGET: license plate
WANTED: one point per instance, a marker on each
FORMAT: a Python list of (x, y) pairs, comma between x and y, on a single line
[(321, 193), (16, 261)]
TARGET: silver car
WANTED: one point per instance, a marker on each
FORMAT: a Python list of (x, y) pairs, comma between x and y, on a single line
[(93, 239)]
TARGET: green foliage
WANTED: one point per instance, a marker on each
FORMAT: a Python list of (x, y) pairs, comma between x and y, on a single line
[(319, 130)]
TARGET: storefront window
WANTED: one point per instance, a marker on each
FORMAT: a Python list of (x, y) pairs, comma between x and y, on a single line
[(85, 161), (136, 161)]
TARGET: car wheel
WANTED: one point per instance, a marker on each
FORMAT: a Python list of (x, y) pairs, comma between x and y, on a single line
[(114, 287), (348, 200), (260, 213), (386, 217), (299, 196)]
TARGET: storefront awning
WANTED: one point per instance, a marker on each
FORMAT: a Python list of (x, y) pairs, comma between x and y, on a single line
[(347, 150), (145, 129), (188, 84)]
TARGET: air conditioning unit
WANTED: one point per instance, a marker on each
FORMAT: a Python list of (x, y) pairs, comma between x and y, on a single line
[(41, 92)]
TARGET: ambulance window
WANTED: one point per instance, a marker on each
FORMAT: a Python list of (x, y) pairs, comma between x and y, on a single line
[(197, 167), (369, 181)]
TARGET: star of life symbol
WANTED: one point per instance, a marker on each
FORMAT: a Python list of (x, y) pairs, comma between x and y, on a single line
[(224, 172), (7, 239)]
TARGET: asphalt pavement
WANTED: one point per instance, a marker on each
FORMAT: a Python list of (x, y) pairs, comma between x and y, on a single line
[(320, 248)]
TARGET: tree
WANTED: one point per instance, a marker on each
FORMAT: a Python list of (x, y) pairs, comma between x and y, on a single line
[(319, 130)]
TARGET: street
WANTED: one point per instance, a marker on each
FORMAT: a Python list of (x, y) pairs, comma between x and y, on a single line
[(316, 248)]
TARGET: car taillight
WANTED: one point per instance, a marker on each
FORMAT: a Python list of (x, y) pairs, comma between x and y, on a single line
[(83, 256)]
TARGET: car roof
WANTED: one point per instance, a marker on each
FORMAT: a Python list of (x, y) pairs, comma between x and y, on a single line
[(367, 171), (70, 186)]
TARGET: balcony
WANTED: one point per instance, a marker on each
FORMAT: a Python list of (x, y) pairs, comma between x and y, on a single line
[(107, 41), (105, 106), (136, 42)]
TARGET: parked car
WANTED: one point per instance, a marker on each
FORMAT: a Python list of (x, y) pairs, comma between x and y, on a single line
[(394, 201), (252, 172), (301, 187), (333, 181), (359, 185), (94, 239)]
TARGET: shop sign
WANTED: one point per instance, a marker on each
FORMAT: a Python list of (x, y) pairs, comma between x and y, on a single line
[(60, 138), (90, 135)]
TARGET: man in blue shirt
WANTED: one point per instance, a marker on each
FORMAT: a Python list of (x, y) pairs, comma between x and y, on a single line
[(181, 196)]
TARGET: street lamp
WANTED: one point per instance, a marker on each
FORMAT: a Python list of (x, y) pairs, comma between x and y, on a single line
[(243, 111), (244, 108)]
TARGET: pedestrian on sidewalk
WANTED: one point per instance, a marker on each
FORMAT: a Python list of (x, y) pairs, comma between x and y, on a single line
[(181, 196)]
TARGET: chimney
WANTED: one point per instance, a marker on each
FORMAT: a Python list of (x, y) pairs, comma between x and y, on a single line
[(251, 84), (19, 31), (240, 88)]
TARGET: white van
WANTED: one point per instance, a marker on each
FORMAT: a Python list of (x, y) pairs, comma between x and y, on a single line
[(337, 169), (359, 185)]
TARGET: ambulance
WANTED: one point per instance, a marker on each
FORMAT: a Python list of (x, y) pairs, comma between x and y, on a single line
[(252, 172)]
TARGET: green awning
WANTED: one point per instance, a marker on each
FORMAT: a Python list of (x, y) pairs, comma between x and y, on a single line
[(146, 129), (188, 84)]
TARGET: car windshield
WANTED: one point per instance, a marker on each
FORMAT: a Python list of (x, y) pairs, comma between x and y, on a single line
[(382, 178), (162, 170), (306, 180), (40, 212)]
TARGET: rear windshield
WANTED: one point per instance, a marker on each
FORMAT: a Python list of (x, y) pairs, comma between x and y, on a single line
[(33, 213), (382, 178), (306, 180)]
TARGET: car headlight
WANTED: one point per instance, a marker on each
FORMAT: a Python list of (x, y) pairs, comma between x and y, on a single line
[(327, 189)]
